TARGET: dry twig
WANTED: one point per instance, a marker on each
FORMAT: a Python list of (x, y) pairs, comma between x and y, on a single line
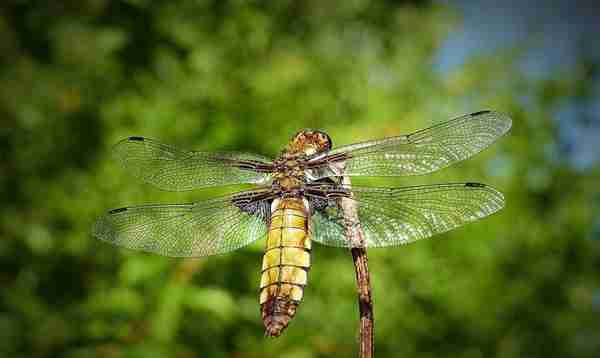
[(355, 235)]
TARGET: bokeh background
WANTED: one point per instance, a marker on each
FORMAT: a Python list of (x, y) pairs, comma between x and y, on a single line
[(77, 76)]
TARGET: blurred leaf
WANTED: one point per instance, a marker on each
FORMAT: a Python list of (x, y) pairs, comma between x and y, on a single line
[(213, 300)]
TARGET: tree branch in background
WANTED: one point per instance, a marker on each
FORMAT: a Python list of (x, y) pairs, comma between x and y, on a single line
[(355, 235)]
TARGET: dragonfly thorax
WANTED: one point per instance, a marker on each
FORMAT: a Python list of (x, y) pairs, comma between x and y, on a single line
[(290, 170), (290, 183)]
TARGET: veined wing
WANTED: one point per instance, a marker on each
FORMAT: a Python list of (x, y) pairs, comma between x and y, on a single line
[(170, 168), (379, 217), (204, 228), (421, 152)]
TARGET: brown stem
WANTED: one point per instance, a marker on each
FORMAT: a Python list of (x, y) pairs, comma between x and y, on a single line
[(356, 239), (365, 304)]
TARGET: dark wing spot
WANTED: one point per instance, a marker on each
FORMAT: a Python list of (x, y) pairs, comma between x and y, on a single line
[(139, 139), (475, 185), (480, 112), (119, 210), (258, 206)]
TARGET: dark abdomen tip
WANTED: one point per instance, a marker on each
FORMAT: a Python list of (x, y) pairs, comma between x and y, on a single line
[(276, 315), (275, 324)]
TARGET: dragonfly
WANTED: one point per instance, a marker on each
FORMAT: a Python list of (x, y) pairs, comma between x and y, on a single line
[(303, 195)]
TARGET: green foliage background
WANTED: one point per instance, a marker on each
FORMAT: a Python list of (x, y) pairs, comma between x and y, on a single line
[(75, 77)]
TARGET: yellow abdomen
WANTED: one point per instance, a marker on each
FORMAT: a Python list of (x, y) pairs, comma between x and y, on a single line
[(285, 264)]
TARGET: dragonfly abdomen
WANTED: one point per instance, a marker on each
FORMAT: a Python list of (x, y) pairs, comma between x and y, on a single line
[(285, 264)]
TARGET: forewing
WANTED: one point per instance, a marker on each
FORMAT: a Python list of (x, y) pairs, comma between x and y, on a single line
[(421, 152), (204, 228), (170, 168), (379, 217)]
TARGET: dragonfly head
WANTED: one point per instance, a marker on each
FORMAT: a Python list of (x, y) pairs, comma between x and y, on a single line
[(309, 142)]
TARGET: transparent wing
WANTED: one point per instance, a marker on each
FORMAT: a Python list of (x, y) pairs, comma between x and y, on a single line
[(379, 217), (421, 152), (170, 168), (200, 229)]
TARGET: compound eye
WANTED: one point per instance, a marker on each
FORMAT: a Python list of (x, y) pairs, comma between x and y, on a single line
[(326, 141)]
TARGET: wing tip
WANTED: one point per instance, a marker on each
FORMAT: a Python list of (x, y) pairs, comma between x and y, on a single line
[(130, 139), (507, 121), (101, 230), (121, 147), (501, 117), (116, 211), (488, 188)]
